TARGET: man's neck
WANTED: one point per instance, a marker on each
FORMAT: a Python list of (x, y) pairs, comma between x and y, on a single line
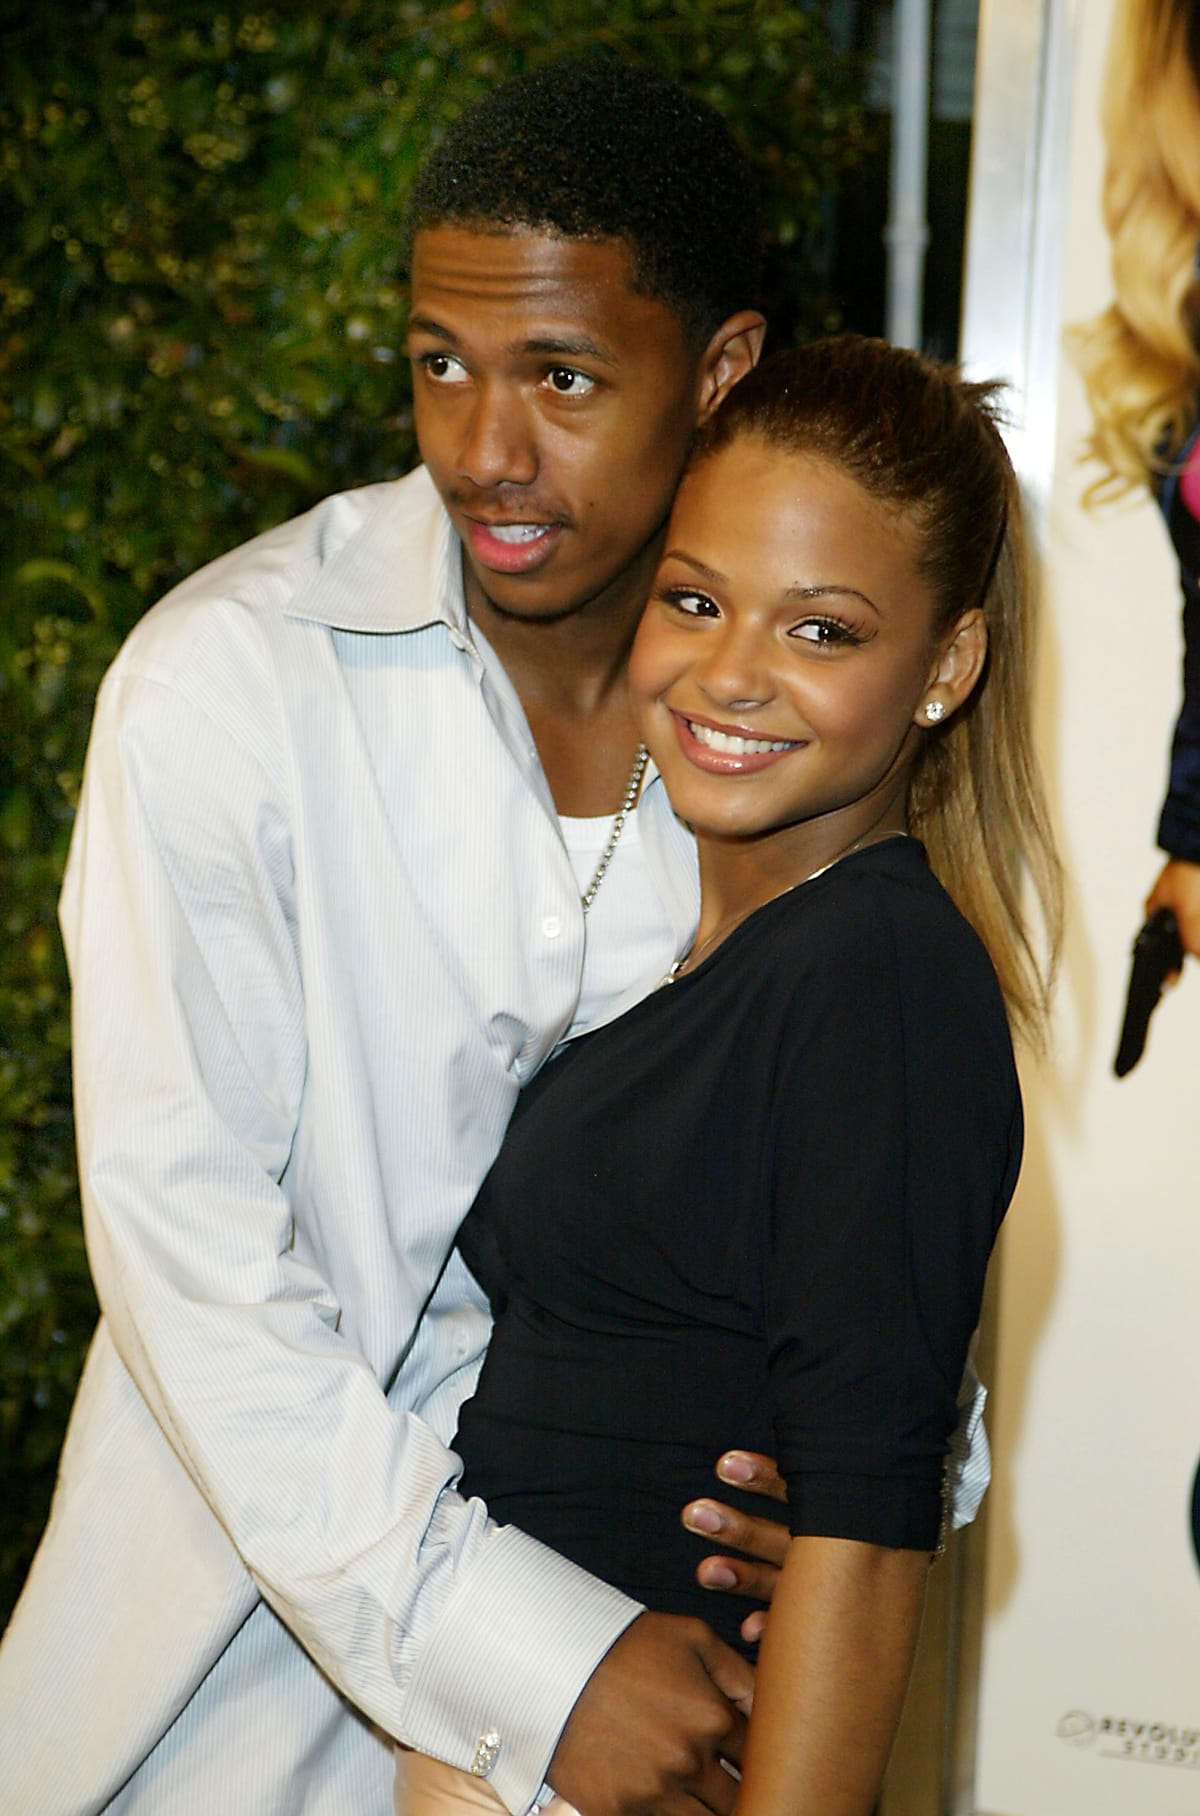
[(567, 663), (569, 671)]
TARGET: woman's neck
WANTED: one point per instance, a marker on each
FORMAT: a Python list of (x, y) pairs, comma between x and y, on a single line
[(739, 875)]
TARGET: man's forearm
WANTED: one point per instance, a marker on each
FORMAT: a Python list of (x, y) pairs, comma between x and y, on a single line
[(832, 1677)]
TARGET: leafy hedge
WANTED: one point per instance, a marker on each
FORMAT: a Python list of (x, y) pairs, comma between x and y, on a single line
[(201, 311)]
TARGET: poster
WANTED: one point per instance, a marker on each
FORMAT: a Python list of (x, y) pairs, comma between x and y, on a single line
[(1089, 1670)]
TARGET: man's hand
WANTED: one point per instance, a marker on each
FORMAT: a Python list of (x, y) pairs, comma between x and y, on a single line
[(765, 1540), (1178, 888), (656, 1718)]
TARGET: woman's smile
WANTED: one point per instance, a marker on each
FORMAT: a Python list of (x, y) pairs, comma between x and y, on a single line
[(726, 749)]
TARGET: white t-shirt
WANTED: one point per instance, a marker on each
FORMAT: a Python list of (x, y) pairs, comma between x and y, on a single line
[(626, 923)]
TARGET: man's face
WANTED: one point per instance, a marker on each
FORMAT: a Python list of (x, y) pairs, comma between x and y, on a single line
[(554, 408)]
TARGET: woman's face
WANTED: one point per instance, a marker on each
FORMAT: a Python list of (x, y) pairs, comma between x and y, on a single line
[(786, 650)]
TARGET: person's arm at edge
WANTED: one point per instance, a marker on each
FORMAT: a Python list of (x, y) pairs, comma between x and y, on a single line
[(1177, 887), (832, 1675)]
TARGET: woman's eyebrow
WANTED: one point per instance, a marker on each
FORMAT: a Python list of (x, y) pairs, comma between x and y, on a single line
[(714, 575), (797, 594), (823, 592)]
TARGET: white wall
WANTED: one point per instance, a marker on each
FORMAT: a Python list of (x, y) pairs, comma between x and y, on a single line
[(1092, 1588)]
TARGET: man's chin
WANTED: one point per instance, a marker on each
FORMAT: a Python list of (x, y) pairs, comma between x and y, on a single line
[(531, 598), (484, 601)]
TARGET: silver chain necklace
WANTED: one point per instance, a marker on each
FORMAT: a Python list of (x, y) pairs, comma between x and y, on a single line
[(618, 825)]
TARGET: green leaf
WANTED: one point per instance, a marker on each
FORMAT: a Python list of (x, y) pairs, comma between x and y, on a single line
[(287, 461), (44, 571)]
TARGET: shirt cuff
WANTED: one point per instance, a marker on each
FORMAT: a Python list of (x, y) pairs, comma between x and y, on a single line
[(969, 1462), (506, 1660)]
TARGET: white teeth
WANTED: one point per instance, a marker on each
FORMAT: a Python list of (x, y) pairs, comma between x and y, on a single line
[(732, 746), (516, 532)]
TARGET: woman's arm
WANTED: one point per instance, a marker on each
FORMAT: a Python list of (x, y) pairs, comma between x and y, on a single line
[(832, 1676)]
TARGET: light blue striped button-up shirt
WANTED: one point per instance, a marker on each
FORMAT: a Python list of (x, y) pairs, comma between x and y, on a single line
[(322, 926)]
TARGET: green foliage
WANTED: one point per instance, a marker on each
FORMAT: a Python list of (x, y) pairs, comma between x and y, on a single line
[(201, 332)]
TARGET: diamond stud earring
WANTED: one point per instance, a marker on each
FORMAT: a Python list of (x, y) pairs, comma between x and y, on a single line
[(934, 710)]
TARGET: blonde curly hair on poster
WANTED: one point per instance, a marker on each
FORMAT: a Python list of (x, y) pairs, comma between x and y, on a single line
[(1139, 359)]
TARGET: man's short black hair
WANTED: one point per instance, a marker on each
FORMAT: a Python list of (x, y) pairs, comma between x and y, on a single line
[(595, 147)]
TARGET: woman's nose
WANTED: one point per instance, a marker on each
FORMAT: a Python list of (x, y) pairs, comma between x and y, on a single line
[(735, 672)]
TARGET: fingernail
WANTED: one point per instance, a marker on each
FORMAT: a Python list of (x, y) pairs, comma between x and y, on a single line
[(735, 1468), (716, 1575), (700, 1517)]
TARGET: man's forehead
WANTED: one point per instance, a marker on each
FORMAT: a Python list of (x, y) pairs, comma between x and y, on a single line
[(564, 343), (568, 290)]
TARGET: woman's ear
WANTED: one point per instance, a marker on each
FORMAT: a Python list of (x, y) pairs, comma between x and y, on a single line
[(955, 670)]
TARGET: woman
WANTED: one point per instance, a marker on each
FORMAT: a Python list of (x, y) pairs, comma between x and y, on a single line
[(1140, 360), (772, 1188)]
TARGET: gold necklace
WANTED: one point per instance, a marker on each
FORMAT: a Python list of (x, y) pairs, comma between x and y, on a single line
[(696, 955), (618, 825)]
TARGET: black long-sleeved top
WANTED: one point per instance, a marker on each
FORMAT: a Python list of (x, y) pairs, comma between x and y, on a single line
[(755, 1212)]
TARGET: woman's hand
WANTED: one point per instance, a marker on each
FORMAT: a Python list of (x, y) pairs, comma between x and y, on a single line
[(764, 1537), (1178, 888)]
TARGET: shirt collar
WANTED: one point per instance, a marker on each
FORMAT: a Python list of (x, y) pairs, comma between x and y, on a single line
[(397, 568)]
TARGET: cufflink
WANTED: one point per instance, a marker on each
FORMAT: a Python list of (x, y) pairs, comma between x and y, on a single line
[(487, 1752)]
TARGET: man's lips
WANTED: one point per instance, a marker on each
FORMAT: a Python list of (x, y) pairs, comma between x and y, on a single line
[(513, 547), (729, 750)]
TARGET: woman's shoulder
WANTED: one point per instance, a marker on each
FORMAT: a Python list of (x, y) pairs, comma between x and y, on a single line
[(877, 897), (879, 928)]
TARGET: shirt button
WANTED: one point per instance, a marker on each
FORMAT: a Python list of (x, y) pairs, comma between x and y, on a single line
[(552, 926)]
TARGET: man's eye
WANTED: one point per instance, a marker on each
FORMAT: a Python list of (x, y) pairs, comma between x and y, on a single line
[(570, 383), (444, 368)]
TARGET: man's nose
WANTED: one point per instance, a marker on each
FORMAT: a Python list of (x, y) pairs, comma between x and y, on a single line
[(498, 446)]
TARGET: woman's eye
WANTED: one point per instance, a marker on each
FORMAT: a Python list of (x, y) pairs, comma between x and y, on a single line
[(694, 605), (824, 632), (444, 368), (570, 383)]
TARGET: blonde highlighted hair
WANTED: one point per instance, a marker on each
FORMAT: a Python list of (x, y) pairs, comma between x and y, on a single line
[(1139, 359), (925, 442)]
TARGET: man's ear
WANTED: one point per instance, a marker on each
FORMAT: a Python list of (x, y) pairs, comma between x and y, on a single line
[(955, 671), (733, 351)]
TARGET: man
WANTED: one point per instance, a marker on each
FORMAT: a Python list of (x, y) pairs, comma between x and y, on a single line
[(323, 924)]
